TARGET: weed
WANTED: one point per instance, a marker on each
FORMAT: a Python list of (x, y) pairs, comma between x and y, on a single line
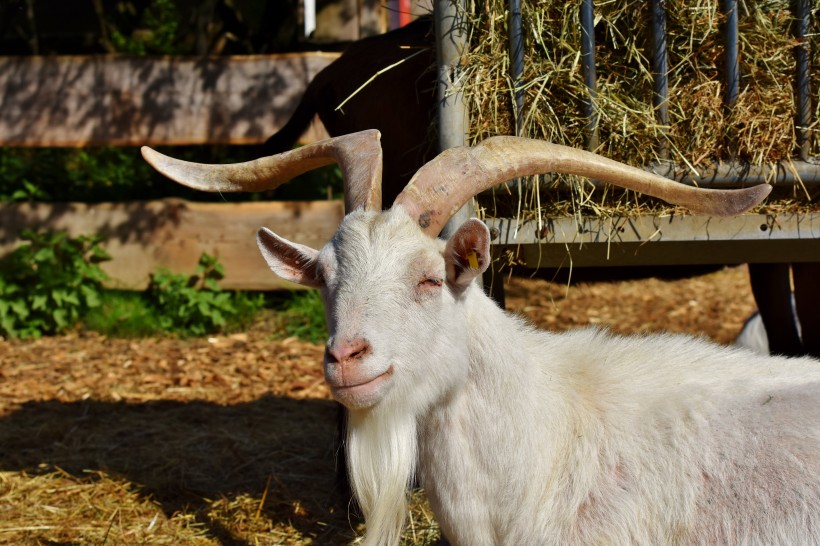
[(302, 314), (123, 314), (195, 304), (49, 283), (109, 174)]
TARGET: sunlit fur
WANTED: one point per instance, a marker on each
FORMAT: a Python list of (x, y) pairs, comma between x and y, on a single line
[(382, 440), (531, 437)]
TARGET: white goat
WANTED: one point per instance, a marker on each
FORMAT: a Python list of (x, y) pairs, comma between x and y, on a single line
[(525, 437)]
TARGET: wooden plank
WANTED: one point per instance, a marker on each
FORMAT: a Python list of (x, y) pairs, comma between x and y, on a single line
[(348, 20), (660, 240), (121, 101), (143, 236), (172, 233)]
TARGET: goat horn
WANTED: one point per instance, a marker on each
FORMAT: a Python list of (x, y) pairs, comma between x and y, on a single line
[(359, 155), (444, 184)]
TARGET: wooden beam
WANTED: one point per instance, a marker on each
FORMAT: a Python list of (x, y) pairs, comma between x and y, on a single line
[(126, 101), (172, 233), (659, 240)]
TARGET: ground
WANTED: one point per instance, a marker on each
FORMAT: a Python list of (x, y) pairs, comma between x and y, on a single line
[(229, 440)]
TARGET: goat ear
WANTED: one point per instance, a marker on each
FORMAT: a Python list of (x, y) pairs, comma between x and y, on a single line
[(467, 254), (291, 261)]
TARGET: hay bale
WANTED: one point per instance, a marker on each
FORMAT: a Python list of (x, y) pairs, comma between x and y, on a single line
[(758, 128)]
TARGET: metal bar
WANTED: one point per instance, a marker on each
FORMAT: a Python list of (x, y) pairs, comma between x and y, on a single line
[(451, 39), (309, 11), (732, 75), (660, 72), (517, 62), (727, 175), (802, 52), (588, 70), (660, 240), (732, 175)]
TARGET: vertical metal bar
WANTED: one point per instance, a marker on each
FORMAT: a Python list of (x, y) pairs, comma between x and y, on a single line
[(517, 62), (393, 11), (588, 70), (451, 39), (802, 52), (453, 123), (732, 75), (309, 7), (660, 73)]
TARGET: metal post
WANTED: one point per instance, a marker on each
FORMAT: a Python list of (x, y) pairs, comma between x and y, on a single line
[(802, 52), (452, 111), (732, 75), (660, 73), (588, 69), (517, 62)]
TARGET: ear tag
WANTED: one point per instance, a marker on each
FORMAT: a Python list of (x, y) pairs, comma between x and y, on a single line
[(472, 258)]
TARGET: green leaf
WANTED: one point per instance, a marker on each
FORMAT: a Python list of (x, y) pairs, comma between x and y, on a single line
[(20, 309), (212, 285), (99, 255), (72, 298), (58, 296), (91, 296), (39, 301), (45, 255), (60, 318)]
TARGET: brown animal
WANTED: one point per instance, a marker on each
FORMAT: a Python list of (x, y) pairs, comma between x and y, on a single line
[(400, 102)]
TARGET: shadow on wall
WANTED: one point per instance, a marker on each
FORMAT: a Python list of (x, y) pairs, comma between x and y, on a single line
[(133, 222), (102, 100), (142, 236)]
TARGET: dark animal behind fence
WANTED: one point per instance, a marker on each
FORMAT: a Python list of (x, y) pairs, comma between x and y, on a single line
[(399, 101)]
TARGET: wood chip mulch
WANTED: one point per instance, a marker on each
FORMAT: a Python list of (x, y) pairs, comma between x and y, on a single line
[(230, 439)]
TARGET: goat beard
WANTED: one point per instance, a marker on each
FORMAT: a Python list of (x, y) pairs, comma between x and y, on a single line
[(381, 462)]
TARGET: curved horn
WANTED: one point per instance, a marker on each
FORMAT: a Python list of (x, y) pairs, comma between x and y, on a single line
[(444, 184), (358, 154)]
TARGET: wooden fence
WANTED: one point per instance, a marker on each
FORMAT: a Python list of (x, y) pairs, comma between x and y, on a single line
[(173, 233), (71, 101), (74, 101), (126, 101)]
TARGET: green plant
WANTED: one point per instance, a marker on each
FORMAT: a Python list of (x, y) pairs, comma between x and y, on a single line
[(27, 192), (154, 30), (195, 304), (47, 284), (94, 175), (123, 314), (75, 174), (302, 314)]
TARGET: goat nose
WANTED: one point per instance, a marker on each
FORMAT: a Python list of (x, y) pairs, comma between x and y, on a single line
[(347, 350)]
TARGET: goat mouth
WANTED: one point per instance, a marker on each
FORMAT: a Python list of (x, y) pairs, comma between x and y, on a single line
[(361, 394)]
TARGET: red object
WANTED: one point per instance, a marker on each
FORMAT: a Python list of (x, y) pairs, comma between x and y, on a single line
[(404, 13)]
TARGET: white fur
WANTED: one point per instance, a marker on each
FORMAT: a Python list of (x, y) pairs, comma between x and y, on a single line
[(528, 437)]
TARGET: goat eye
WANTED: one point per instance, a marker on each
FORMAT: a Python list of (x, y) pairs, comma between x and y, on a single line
[(430, 282)]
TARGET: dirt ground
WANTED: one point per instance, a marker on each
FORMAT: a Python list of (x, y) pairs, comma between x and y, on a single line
[(230, 440)]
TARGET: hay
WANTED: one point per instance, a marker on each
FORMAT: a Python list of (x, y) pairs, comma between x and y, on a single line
[(160, 441), (227, 440), (759, 128)]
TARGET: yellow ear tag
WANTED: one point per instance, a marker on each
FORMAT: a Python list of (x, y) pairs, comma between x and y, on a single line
[(472, 257)]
